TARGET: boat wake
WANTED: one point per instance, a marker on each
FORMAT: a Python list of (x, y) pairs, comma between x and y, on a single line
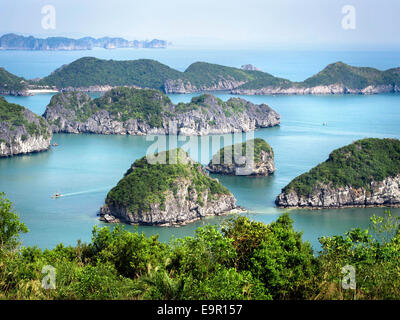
[(82, 192)]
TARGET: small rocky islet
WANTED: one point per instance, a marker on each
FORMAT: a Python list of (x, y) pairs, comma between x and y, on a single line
[(165, 189), (22, 131), (254, 157), (365, 173), (135, 111)]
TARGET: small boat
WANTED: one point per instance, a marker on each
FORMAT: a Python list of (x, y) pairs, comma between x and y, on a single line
[(54, 144), (56, 195)]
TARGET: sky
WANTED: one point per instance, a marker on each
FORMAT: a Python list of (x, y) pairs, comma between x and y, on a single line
[(216, 23)]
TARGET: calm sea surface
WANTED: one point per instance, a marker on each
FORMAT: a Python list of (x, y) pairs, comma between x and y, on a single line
[(85, 167)]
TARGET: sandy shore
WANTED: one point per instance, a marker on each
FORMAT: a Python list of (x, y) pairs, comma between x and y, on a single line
[(39, 91)]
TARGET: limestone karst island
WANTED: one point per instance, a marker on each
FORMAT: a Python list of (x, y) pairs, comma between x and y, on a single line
[(205, 152)]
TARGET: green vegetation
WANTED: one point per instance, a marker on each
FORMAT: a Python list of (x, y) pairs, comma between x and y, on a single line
[(126, 103), (242, 259), (266, 81), (13, 115), (89, 71), (203, 74), (375, 256), (10, 226), (354, 165), (147, 105), (146, 73), (10, 82), (238, 150), (335, 73), (147, 182), (204, 101), (122, 103), (352, 77)]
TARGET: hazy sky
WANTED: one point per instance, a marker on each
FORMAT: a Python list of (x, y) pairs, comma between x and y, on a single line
[(208, 23)]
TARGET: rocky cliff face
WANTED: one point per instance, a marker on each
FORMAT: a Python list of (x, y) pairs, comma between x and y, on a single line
[(211, 116), (182, 86), (12, 41), (179, 209), (264, 167), (20, 93), (379, 193), (25, 133), (234, 160), (364, 173), (183, 200), (99, 88), (250, 67), (330, 89)]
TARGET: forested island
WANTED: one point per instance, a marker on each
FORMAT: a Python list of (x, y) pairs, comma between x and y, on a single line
[(166, 189), (124, 110), (336, 78), (365, 173), (11, 41), (96, 75), (22, 131), (254, 157)]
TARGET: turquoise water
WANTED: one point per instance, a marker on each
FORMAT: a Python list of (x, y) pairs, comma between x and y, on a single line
[(85, 167)]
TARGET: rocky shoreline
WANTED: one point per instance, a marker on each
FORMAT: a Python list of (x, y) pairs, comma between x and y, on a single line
[(24, 133), (259, 161), (379, 193), (106, 216), (190, 195), (210, 116), (336, 78), (180, 86), (92, 89), (365, 173), (232, 87), (318, 90), (16, 93)]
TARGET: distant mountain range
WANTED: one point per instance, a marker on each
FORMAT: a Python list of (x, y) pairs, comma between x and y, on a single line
[(13, 41), (92, 74)]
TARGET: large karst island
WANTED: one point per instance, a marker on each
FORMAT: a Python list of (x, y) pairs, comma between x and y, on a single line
[(254, 157), (97, 75), (21, 131), (365, 173), (11, 41), (167, 188), (134, 111), (91, 74)]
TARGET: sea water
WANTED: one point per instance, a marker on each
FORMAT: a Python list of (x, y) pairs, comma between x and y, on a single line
[(84, 167)]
